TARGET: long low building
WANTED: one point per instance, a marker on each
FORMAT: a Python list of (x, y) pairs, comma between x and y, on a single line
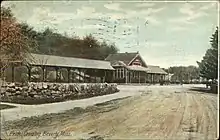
[(118, 68), (50, 68)]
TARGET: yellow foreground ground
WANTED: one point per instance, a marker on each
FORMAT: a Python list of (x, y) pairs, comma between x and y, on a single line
[(158, 113)]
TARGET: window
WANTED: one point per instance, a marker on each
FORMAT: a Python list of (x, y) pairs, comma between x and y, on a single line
[(136, 63), (136, 74), (131, 74), (122, 73), (119, 73)]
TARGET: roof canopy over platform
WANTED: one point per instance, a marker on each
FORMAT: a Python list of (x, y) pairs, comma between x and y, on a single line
[(58, 61), (155, 69), (138, 68)]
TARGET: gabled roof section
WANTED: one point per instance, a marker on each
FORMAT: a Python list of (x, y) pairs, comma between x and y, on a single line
[(125, 57), (58, 61), (138, 55), (155, 69)]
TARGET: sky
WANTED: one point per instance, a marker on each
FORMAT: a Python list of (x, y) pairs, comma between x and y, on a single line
[(164, 33)]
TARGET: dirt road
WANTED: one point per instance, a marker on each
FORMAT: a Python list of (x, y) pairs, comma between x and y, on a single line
[(159, 113)]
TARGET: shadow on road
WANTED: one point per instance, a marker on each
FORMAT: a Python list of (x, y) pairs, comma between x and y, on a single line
[(4, 106), (202, 89)]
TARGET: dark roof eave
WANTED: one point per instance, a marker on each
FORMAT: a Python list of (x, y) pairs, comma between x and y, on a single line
[(157, 73), (68, 67)]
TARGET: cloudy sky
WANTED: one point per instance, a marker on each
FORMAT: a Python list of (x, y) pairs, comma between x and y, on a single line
[(164, 33)]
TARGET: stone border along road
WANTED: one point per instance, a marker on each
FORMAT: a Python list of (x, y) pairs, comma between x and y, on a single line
[(34, 110)]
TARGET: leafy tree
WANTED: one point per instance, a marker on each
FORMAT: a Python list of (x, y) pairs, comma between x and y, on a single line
[(13, 44), (208, 67), (31, 35), (87, 47), (18, 39), (48, 41)]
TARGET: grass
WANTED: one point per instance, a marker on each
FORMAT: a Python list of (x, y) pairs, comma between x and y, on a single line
[(56, 118), (4, 106), (45, 100)]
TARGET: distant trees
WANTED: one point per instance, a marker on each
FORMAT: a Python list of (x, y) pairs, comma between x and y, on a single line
[(183, 73), (31, 34), (49, 42), (208, 67), (15, 36), (87, 47)]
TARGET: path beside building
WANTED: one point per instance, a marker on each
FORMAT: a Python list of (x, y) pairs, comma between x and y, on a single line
[(34, 110)]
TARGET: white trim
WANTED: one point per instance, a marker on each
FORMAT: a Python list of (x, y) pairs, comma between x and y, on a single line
[(133, 59), (142, 60), (123, 73)]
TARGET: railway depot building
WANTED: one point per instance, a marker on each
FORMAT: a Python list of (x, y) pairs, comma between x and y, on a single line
[(116, 68), (131, 68)]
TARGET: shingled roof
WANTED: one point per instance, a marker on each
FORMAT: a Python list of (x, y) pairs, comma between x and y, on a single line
[(155, 69), (125, 57), (138, 68), (58, 61)]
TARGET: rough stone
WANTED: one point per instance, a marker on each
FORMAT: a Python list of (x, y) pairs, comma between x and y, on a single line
[(32, 93), (3, 90), (58, 90), (18, 93), (12, 90), (37, 96), (53, 92), (8, 94), (30, 89), (40, 87), (34, 88), (48, 93), (25, 88), (45, 86), (25, 94), (76, 89), (11, 85)]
